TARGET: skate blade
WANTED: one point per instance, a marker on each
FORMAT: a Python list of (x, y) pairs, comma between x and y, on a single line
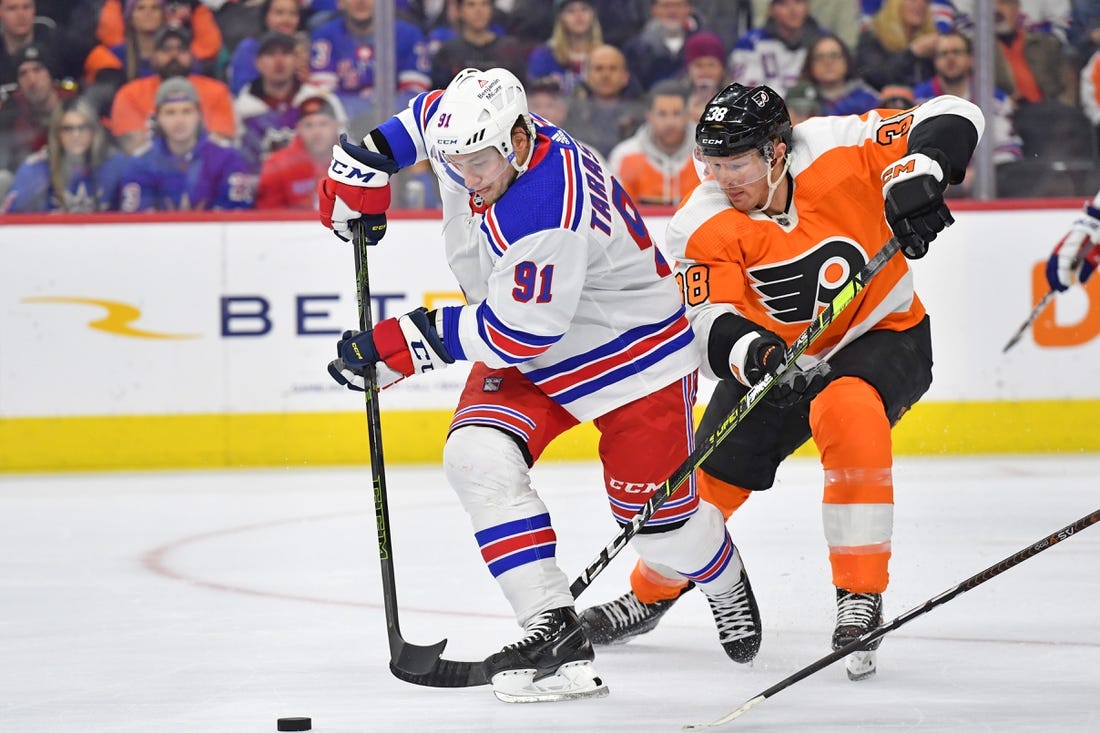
[(860, 665), (572, 681)]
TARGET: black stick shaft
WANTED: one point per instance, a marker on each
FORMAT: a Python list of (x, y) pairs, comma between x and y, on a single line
[(818, 326), (404, 656), (867, 639)]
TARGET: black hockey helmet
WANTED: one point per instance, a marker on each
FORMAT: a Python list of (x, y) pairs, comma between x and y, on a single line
[(741, 118)]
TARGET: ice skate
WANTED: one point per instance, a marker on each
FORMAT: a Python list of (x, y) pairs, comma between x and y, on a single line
[(738, 620), (856, 614), (620, 620), (552, 663)]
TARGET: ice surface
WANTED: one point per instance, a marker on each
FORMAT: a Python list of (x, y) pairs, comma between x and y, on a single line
[(221, 601)]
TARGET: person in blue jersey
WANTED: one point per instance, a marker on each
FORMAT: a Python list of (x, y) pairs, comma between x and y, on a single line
[(183, 168), (572, 316), (76, 172), (342, 57), (276, 16), (830, 67)]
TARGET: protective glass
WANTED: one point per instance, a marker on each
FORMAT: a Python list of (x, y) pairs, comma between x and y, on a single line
[(479, 170), (737, 170)]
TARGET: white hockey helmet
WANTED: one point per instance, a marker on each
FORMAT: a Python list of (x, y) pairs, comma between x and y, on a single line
[(477, 111)]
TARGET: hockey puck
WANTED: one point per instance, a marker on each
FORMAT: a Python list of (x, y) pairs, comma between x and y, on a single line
[(295, 724)]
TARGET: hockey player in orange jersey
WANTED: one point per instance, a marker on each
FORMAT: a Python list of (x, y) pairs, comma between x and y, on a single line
[(784, 218)]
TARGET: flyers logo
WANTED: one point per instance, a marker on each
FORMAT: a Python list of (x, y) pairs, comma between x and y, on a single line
[(794, 291), (118, 320)]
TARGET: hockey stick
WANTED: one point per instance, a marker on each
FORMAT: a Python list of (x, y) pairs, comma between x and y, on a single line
[(841, 301), (863, 642), (1038, 308), (465, 674), (1030, 319), (405, 658)]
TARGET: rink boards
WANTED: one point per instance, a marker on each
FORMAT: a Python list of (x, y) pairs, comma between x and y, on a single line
[(173, 342)]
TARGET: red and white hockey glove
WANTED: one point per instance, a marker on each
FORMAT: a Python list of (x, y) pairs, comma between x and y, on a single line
[(397, 347), (357, 187), (1076, 256), (913, 188)]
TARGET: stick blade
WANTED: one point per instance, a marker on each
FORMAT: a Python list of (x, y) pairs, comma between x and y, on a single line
[(728, 717), (444, 673)]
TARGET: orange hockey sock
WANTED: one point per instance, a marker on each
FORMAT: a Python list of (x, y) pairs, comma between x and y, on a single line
[(727, 497), (852, 434)]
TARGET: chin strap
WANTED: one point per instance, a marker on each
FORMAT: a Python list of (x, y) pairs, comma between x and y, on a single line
[(772, 185)]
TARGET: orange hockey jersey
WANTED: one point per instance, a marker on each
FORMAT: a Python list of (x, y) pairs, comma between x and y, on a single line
[(781, 272)]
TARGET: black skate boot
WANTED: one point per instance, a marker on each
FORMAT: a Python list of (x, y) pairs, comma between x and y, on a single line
[(856, 614), (620, 620), (738, 620), (553, 662)]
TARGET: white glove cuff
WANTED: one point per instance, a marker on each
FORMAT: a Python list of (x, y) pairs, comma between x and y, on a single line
[(348, 170), (424, 357), (911, 166), (739, 353)]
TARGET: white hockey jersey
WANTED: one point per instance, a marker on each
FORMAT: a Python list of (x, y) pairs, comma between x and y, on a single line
[(561, 276)]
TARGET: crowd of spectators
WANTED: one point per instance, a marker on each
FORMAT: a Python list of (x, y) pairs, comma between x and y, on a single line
[(174, 105)]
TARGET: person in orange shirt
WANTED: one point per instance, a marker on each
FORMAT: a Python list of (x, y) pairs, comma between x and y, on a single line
[(136, 100), (199, 20), (785, 218), (655, 165), (288, 179)]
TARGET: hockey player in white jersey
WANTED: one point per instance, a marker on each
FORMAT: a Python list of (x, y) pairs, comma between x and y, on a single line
[(572, 316)]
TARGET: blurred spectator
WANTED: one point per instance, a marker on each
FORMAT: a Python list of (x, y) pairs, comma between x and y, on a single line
[(280, 16), (267, 109), (1090, 91), (576, 32), (803, 102), (135, 101), (182, 168), (774, 54), (658, 51), (1035, 58), (621, 20), (342, 59), (76, 172), (25, 114), (896, 96), (416, 187), (728, 19), (17, 31), (655, 165), (445, 25), (841, 18), (830, 68), (73, 27), (476, 46), (545, 99), (946, 14), (897, 48), (198, 19), (1054, 17), (954, 62), (604, 108), (289, 177), (1084, 28), (133, 58), (705, 58)]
